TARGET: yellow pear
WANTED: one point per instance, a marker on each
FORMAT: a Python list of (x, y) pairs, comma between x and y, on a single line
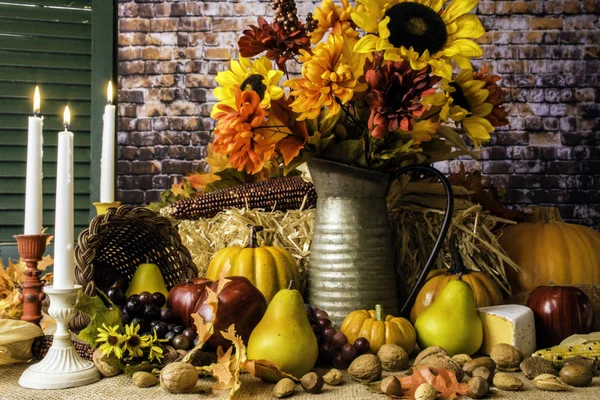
[(451, 321), (284, 336), (147, 278)]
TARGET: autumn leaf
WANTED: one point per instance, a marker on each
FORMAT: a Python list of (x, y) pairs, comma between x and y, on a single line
[(45, 262), (256, 368), (444, 381)]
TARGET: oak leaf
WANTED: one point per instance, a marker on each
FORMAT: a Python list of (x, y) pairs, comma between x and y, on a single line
[(444, 381)]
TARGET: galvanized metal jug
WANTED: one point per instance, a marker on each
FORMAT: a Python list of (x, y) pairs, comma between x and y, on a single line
[(351, 263)]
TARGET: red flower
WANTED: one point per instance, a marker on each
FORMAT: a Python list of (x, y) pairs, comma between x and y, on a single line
[(395, 95)]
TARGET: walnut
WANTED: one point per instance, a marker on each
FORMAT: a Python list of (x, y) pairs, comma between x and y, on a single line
[(443, 362), (284, 388), (144, 379), (461, 359), (334, 377), (106, 365), (393, 357), (178, 377), (365, 368), (430, 351), (506, 357), (534, 366)]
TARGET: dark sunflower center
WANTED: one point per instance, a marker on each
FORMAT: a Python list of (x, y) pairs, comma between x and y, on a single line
[(133, 341), (255, 82), (418, 26), (459, 97), (113, 340)]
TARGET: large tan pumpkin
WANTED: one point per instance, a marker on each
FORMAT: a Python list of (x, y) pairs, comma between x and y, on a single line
[(550, 250), (269, 268)]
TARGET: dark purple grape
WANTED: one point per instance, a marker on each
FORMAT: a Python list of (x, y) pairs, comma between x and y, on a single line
[(125, 318), (133, 306), (328, 333), (324, 323), (181, 342), (146, 298), (159, 299), (349, 352), (316, 330), (151, 312), (309, 311), (134, 296), (320, 314), (166, 314), (190, 333), (178, 329), (171, 326), (153, 323), (161, 329), (362, 345), (139, 321), (116, 296), (339, 362), (327, 351), (339, 340), (169, 336)]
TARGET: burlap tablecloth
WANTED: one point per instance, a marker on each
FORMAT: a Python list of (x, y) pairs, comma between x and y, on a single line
[(121, 387)]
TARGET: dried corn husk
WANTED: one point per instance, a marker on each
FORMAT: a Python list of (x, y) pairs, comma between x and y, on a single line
[(16, 338)]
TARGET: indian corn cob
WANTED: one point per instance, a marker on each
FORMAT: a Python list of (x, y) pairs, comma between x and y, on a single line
[(42, 344), (287, 193), (558, 354)]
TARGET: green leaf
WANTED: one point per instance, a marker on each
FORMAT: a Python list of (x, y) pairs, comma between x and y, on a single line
[(99, 315), (229, 177), (455, 139), (347, 152), (145, 366)]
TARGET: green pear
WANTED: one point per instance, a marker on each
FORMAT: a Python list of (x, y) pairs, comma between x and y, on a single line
[(284, 336), (451, 321), (147, 278)]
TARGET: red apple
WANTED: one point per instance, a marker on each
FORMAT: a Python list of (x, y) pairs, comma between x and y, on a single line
[(183, 298), (240, 303), (560, 311)]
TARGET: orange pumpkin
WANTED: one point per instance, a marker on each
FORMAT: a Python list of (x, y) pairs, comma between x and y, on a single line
[(486, 292), (379, 330), (550, 250)]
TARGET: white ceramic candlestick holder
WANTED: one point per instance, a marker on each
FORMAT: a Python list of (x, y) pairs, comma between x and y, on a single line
[(62, 367)]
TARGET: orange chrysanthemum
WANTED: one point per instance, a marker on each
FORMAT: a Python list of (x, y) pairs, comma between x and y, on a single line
[(498, 116), (245, 134)]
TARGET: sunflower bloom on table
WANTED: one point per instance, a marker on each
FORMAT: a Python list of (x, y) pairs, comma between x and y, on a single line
[(329, 78), (134, 343), (155, 350), (111, 340), (257, 75), (423, 32), (246, 133), (334, 17)]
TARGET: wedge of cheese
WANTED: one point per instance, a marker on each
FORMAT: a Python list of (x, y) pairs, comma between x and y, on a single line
[(511, 323)]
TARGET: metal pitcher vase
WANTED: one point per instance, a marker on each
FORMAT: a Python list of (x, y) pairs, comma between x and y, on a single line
[(351, 263)]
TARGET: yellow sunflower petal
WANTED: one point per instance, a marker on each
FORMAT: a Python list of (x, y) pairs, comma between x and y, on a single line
[(440, 68), (366, 44), (456, 8), (463, 47), (482, 110), (469, 26), (462, 62), (435, 5), (375, 7), (365, 21), (437, 99)]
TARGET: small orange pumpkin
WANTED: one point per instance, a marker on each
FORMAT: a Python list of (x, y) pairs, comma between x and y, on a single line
[(379, 330), (486, 292)]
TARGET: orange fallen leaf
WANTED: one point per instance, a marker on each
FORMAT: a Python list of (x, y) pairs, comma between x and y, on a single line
[(444, 381), (257, 367)]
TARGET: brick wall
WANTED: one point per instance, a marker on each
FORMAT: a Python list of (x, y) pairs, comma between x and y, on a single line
[(546, 51)]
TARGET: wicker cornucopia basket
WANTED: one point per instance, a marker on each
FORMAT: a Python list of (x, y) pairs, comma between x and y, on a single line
[(116, 243)]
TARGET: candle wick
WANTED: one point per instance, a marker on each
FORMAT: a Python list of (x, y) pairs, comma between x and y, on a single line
[(36, 114), (109, 102)]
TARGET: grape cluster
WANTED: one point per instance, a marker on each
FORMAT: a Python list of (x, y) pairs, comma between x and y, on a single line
[(333, 345), (145, 309)]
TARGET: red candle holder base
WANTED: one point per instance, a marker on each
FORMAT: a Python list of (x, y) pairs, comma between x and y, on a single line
[(31, 249)]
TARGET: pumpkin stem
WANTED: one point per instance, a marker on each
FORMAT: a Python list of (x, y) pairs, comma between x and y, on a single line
[(458, 265), (252, 242), (379, 312), (545, 215)]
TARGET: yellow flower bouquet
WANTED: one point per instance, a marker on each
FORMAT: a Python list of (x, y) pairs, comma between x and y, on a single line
[(376, 89)]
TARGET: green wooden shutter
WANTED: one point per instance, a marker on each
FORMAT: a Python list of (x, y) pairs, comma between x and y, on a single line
[(48, 43)]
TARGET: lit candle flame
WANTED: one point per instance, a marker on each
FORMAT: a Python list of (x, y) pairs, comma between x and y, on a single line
[(36, 101), (109, 92), (67, 118)]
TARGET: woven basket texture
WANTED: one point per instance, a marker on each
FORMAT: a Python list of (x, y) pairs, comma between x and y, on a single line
[(116, 243)]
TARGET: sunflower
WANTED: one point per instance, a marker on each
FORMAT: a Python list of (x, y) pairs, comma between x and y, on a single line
[(257, 75), (498, 116), (329, 78), (331, 16), (468, 106), (245, 133), (156, 352), (424, 32), (134, 343), (111, 340)]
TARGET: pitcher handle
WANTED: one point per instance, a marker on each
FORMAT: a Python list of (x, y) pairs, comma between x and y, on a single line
[(441, 236)]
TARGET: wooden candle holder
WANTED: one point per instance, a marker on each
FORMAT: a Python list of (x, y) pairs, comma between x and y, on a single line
[(31, 249)]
